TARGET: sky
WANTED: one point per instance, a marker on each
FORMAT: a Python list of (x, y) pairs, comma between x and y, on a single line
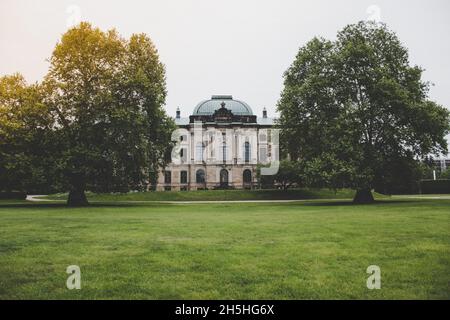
[(237, 47)]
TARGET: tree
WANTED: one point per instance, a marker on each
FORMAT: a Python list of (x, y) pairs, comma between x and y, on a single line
[(353, 109), (106, 95), (288, 174), (25, 130)]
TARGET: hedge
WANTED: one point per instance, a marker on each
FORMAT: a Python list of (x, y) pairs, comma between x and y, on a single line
[(439, 186), (12, 195)]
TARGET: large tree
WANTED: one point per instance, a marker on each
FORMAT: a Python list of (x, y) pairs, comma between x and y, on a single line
[(353, 109), (106, 95)]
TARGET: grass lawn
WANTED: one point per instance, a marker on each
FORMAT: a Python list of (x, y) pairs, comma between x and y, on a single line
[(304, 250), (218, 195)]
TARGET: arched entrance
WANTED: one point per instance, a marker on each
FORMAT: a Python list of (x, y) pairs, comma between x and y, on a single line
[(223, 178), (247, 178)]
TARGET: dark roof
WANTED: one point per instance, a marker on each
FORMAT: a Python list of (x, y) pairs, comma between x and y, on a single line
[(208, 107)]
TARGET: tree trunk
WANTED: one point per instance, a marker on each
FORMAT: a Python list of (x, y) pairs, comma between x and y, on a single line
[(363, 196), (77, 198)]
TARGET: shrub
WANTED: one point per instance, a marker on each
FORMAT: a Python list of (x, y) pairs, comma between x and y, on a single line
[(435, 186), (12, 195)]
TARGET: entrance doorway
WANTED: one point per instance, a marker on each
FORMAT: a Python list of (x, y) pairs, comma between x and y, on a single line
[(223, 178), (247, 178)]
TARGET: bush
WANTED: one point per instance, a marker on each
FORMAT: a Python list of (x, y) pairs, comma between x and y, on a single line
[(12, 195), (445, 174), (435, 186)]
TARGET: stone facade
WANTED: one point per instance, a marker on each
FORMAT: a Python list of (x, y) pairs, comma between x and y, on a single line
[(219, 146)]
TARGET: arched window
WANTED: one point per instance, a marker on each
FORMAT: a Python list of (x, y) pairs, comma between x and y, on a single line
[(200, 176), (223, 178), (199, 151), (247, 151), (247, 176)]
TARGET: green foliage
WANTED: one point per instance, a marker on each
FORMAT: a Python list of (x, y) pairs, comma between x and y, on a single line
[(440, 186), (445, 174), (25, 128), (13, 195), (402, 176), (353, 111), (107, 95), (97, 120), (288, 175)]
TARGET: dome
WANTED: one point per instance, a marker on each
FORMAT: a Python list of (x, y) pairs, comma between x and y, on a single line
[(208, 107)]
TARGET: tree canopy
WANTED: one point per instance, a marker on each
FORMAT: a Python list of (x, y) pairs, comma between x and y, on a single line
[(352, 109), (103, 102), (25, 125)]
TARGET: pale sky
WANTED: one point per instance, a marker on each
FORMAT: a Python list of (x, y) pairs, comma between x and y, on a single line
[(238, 47)]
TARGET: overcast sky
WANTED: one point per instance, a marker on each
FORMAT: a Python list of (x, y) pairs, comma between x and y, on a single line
[(237, 47)]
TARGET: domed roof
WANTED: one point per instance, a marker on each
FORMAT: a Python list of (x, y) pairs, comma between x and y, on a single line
[(208, 107)]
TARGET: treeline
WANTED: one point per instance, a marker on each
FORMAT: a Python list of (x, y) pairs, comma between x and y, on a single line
[(413, 178), (353, 113)]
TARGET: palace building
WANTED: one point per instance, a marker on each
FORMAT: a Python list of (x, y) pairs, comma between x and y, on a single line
[(219, 146)]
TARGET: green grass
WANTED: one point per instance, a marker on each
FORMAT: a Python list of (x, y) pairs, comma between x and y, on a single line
[(212, 195), (304, 250)]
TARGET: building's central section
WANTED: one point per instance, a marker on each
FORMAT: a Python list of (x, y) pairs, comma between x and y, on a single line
[(219, 146)]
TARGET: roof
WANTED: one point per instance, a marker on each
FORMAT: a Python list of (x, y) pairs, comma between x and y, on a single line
[(181, 121), (208, 107), (265, 121), (259, 120)]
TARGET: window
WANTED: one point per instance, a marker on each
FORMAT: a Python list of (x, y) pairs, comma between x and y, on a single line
[(263, 155), (224, 147), (262, 137), (200, 148), (183, 154), (183, 177), (200, 176), (168, 156), (167, 177), (167, 188), (247, 151), (247, 176), (224, 152)]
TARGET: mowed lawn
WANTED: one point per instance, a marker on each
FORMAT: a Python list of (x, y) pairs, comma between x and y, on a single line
[(302, 250), (219, 195)]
